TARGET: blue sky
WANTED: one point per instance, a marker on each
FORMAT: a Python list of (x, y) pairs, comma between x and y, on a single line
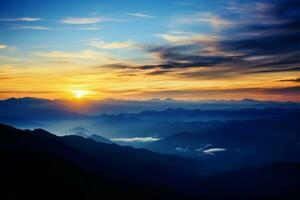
[(150, 48), (118, 24)]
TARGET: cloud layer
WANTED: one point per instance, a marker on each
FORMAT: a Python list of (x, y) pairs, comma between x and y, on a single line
[(136, 139), (261, 41), (213, 151), (141, 15)]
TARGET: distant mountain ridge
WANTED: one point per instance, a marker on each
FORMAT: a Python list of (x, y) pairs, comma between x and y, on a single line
[(85, 133), (237, 142), (114, 106), (171, 121), (99, 138)]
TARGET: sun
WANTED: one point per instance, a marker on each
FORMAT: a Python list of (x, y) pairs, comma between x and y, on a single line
[(80, 93)]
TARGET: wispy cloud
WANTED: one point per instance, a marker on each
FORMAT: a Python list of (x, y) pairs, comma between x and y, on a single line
[(41, 28), (291, 80), (188, 38), (141, 15), (83, 20), (82, 28), (111, 45), (136, 139), (213, 151), (88, 20), (262, 41), (275, 93), (85, 57), (22, 19), (182, 149), (86, 54), (211, 19), (9, 48), (3, 46)]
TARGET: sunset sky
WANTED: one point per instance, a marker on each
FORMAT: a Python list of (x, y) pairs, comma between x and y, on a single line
[(133, 49)]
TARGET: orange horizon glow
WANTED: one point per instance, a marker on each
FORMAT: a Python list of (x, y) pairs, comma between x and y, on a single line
[(178, 57), (99, 83)]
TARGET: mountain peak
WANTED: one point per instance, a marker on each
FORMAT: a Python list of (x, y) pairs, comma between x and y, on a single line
[(169, 99)]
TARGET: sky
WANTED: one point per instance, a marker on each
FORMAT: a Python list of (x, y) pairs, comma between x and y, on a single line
[(133, 49)]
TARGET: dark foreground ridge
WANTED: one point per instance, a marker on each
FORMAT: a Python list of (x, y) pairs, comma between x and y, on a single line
[(39, 165)]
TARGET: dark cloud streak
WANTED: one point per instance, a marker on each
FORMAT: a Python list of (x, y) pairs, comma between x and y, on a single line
[(270, 44)]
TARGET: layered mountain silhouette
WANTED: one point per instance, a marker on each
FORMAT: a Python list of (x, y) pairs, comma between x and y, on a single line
[(37, 164), (99, 138), (237, 143), (109, 163), (79, 131), (85, 133), (60, 107)]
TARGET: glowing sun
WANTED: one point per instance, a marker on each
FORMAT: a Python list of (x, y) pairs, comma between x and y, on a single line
[(79, 93)]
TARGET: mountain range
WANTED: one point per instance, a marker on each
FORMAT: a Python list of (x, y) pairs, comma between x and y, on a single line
[(37, 164)]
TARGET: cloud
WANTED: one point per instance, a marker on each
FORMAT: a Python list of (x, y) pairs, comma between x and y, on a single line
[(41, 28), (291, 80), (88, 58), (188, 38), (22, 19), (27, 92), (184, 56), (204, 147), (284, 91), (285, 69), (82, 28), (29, 19), (9, 48), (274, 93), (136, 139), (85, 54), (3, 46), (141, 15), (265, 40), (116, 66), (181, 149), (159, 72), (86, 20), (111, 45), (211, 19), (213, 151)]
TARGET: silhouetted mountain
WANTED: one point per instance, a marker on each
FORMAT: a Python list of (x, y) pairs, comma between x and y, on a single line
[(26, 101), (237, 143), (20, 122), (36, 109), (99, 138), (124, 164), (36, 164), (165, 123), (180, 114), (79, 131), (35, 175), (158, 118), (119, 120), (113, 106), (85, 133), (271, 182)]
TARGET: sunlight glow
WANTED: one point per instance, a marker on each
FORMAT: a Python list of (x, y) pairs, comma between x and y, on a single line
[(79, 93)]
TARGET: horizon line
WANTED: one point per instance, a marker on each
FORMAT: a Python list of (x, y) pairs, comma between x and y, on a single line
[(148, 99)]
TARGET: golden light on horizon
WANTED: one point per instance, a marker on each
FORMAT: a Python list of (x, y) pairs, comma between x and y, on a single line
[(80, 93)]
